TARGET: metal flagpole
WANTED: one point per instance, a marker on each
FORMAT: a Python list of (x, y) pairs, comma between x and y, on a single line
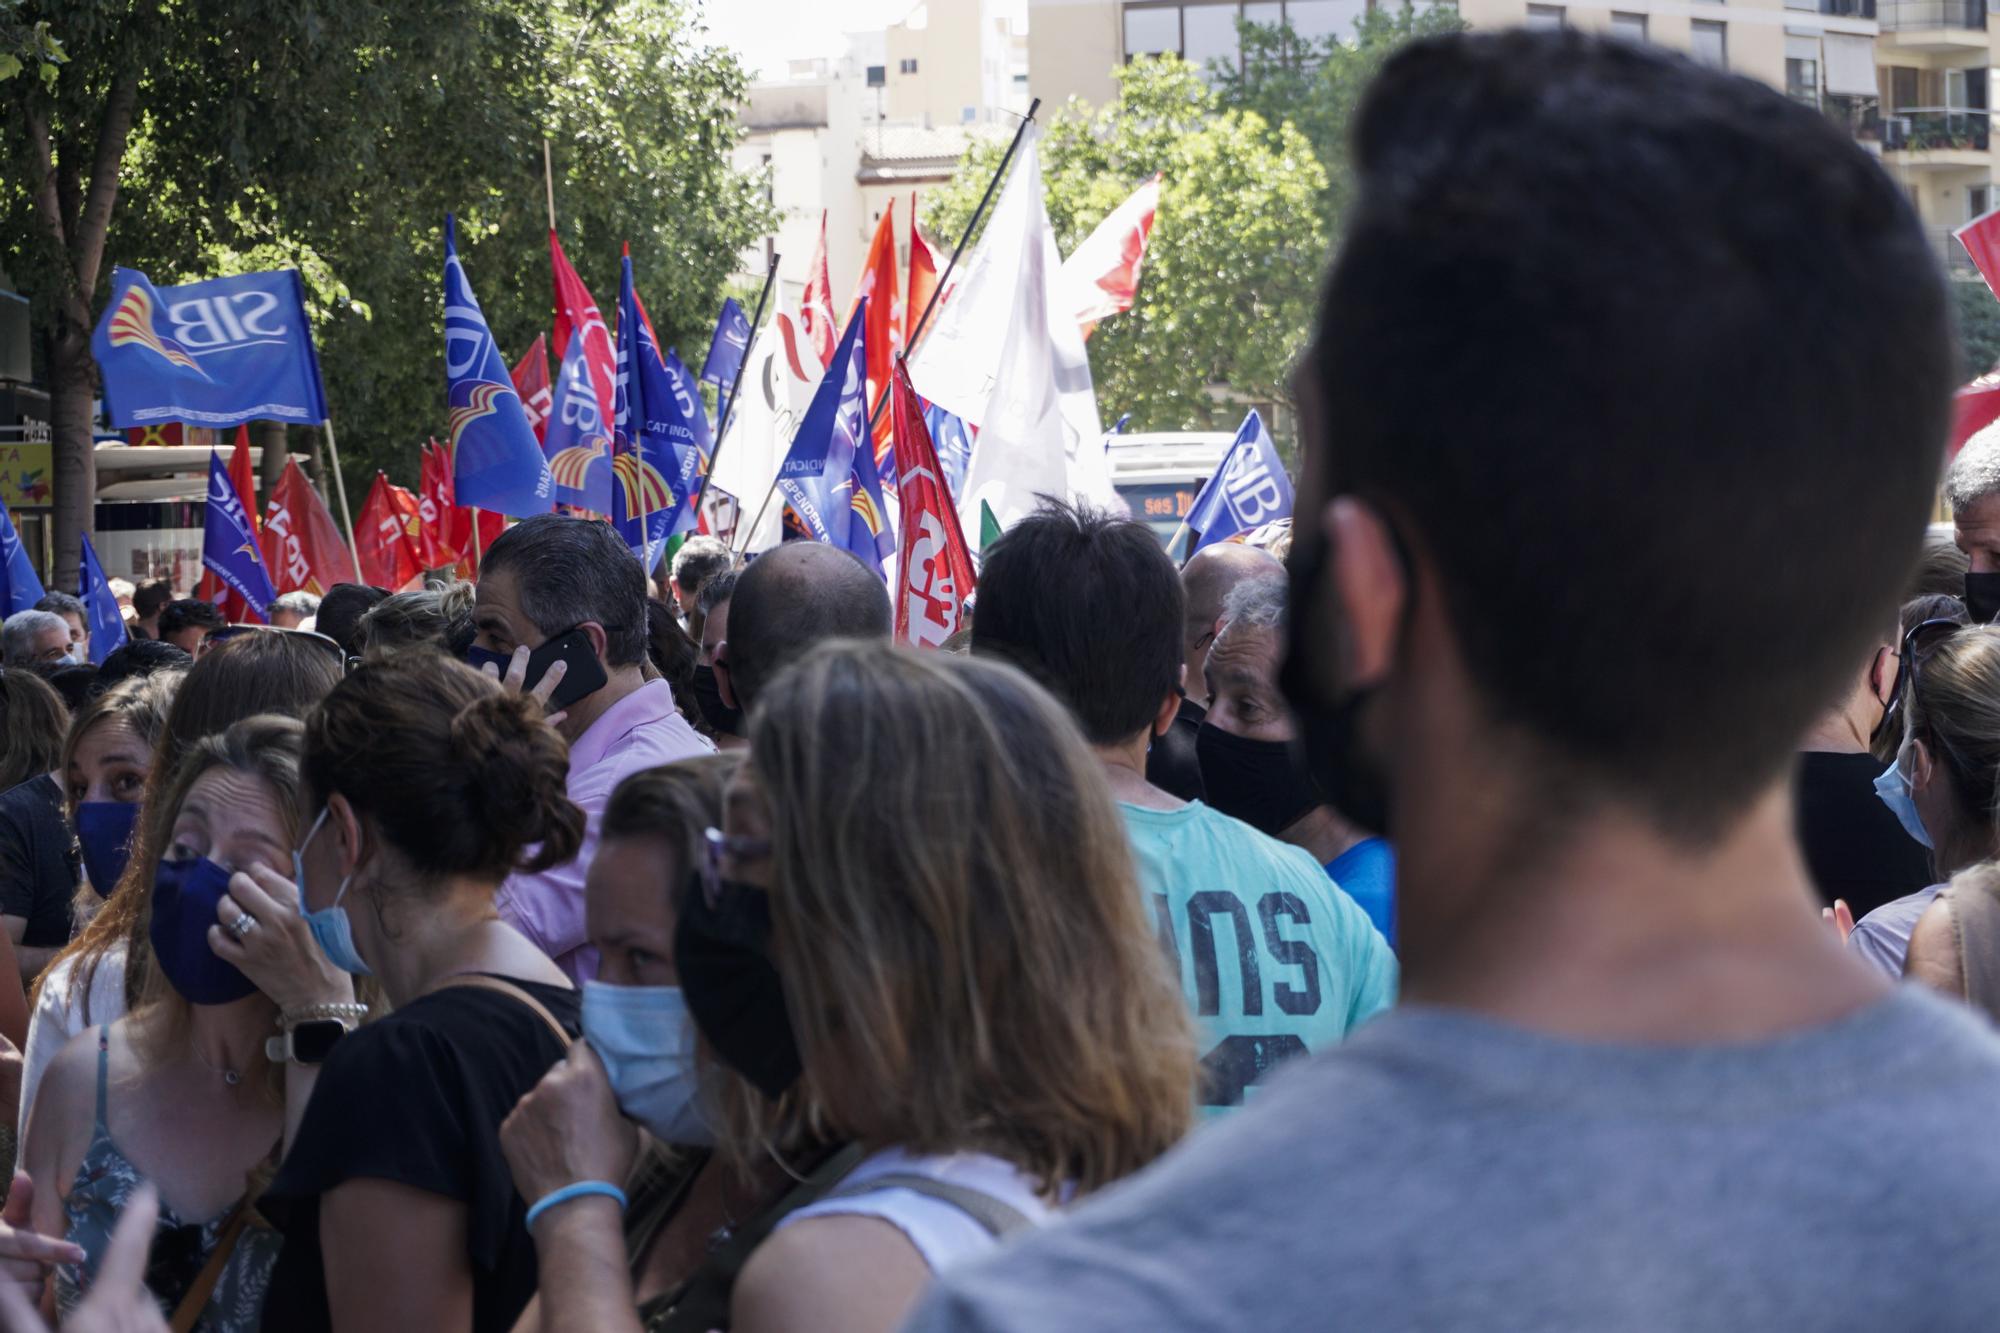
[(478, 555), (736, 386), (924, 320), (549, 182), (340, 488)]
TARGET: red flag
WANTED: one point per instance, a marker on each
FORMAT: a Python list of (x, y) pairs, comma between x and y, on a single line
[(923, 277), (576, 311), (166, 433), (302, 544), (531, 381), (1977, 406), (816, 305), (1981, 239), (212, 589), (434, 510), (455, 534), (1101, 276), (933, 566), (883, 333), (388, 555)]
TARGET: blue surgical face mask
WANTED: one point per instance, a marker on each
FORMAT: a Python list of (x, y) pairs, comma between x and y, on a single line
[(477, 658), (329, 925), (104, 835), (185, 894), (1894, 789), (646, 1040)]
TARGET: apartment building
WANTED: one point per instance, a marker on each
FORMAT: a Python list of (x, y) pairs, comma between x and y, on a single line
[(1908, 77)]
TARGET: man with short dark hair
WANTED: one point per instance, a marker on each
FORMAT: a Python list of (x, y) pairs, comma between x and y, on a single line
[(74, 614), (147, 603), (1972, 490), (787, 600), (1275, 960), (543, 579), (711, 606), (138, 658), (187, 623), (699, 560), (1601, 504)]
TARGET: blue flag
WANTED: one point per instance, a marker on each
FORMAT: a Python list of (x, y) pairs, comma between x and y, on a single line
[(229, 544), (1249, 490), (817, 476), (868, 532), (954, 445), (725, 352), (578, 443), (496, 462), (23, 586), (107, 622), (659, 433), (215, 353)]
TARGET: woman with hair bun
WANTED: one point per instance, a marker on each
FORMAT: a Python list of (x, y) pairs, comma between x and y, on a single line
[(425, 785)]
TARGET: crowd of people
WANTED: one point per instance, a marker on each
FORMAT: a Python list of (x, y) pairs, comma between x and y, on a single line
[(1488, 917)]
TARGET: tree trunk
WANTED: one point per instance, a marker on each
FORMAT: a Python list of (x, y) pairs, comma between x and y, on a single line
[(316, 461), (271, 436), (72, 386)]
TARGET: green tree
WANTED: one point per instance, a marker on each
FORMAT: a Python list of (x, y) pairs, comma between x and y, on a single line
[(180, 136), (1978, 319), (1226, 291)]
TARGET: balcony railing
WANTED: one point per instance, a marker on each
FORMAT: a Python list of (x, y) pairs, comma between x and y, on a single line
[(1916, 15), (1934, 129), (1848, 9)]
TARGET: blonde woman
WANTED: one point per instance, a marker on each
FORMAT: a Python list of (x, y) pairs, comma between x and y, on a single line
[(179, 1093), (930, 858)]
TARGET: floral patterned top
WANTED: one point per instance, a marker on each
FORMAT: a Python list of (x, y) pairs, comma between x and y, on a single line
[(105, 1180)]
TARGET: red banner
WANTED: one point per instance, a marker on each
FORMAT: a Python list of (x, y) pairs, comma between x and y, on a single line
[(576, 311), (933, 565), (882, 335), (388, 553), (303, 546), (445, 527), (923, 278), (531, 381), (816, 304)]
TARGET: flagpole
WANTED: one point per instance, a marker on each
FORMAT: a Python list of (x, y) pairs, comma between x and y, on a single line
[(549, 182), (735, 386), (340, 488), (478, 555), (965, 238)]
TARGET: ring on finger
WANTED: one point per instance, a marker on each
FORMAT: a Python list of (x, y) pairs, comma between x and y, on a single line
[(242, 925)]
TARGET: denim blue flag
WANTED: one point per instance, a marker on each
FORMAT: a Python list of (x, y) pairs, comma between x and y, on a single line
[(578, 443), (659, 433), (1249, 490), (215, 353), (100, 604), (868, 532), (23, 586), (229, 545), (725, 349), (817, 476), (954, 445), (496, 462)]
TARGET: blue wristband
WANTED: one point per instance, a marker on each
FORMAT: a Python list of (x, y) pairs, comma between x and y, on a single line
[(580, 1189)]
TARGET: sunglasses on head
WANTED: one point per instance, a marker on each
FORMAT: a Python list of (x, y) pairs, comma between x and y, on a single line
[(339, 654)]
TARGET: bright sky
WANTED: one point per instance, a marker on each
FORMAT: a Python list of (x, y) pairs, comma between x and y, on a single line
[(766, 33)]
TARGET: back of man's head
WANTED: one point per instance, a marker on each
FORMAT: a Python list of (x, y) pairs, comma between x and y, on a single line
[(792, 598), (570, 570), (1091, 607), (152, 598), (700, 560), (340, 613), (190, 613), (1665, 450)]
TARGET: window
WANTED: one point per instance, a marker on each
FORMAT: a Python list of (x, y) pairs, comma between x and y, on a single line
[(1802, 80), (1545, 17), (906, 67), (877, 75), (1208, 32), (1631, 27), (1152, 32), (1978, 201), (1710, 43), (1314, 19)]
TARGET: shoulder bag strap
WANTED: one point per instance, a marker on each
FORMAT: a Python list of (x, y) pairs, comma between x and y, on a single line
[(196, 1299), (509, 988), (999, 1219)]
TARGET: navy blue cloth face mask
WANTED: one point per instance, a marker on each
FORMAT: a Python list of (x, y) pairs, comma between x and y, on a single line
[(185, 894), (104, 836)]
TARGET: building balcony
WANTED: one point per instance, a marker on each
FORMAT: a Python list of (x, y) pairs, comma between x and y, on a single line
[(1938, 27), (1935, 138)]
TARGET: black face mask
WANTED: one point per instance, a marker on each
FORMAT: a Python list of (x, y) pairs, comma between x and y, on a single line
[(1261, 783), (732, 990), (1352, 781), (1982, 597), (721, 718)]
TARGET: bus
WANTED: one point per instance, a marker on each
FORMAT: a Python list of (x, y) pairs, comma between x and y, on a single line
[(1160, 474)]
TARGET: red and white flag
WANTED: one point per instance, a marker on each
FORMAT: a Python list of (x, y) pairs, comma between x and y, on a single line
[(576, 314), (1975, 407), (531, 381), (1101, 276), (1981, 239), (923, 277), (816, 305), (383, 536), (934, 572), (302, 544), (434, 509)]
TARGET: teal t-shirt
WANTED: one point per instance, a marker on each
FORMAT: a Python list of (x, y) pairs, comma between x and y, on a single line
[(1275, 960)]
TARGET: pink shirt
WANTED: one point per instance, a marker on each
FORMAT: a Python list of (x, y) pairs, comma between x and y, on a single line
[(639, 732)]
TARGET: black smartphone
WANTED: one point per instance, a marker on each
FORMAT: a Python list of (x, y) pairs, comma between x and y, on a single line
[(584, 676)]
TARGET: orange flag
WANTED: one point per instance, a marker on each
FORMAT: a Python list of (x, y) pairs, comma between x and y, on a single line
[(883, 333), (302, 544), (923, 278), (212, 589), (388, 551)]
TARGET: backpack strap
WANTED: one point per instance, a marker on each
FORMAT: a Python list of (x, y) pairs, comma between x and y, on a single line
[(196, 1298), (999, 1219), (505, 987)]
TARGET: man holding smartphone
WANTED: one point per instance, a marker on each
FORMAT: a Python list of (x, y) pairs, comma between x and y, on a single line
[(563, 600)]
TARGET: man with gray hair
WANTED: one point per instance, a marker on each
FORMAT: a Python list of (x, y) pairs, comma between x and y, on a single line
[(1249, 759), (34, 638), (294, 609), (1972, 489), (547, 578), (75, 615)]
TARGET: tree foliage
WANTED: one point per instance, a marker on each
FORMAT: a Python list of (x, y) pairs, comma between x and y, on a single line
[(1978, 318), (1227, 287)]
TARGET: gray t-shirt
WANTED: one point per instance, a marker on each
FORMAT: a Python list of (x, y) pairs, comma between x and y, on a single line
[(1439, 1171)]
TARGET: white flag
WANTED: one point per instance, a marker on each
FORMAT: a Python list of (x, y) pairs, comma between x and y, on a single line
[(998, 362), (778, 384)]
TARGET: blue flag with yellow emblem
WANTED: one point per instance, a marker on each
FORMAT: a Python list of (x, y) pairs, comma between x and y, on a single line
[(659, 433), (496, 462), (228, 546), (817, 476)]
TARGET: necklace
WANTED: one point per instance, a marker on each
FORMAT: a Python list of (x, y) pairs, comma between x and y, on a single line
[(227, 1075)]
